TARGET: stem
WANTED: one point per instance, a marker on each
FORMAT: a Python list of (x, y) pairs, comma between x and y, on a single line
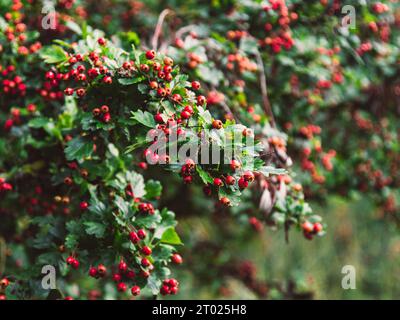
[(157, 31), (264, 90)]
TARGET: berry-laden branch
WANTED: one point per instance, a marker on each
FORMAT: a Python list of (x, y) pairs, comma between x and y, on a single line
[(115, 101)]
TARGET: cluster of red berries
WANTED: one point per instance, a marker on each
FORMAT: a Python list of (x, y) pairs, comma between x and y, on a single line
[(98, 272), (311, 229), (73, 262), (187, 171), (103, 113), (13, 85), (170, 286), (146, 208)]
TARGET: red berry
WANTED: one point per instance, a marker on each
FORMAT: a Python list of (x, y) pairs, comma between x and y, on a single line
[(185, 115), (144, 68), (93, 272), (176, 258), (84, 205), (69, 91), (248, 176), (201, 100), (235, 164), (121, 287), (101, 41), (145, 262), (217, 124), (4, 283), (75, 264), (150, 54), (218, 182), (173, 283), (117, 277), (107, 80), (135, 290), (141, 234), (230, 180), (196, 85), (123, 266), (317, 228), (70, 260), (243, 184), (164, 290), (102, 270), (158, 117), (133, 236), (50, 75), (225, 201), (146, 251), (307, 227)]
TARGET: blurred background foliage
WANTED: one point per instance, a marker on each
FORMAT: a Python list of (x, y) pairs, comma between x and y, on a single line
[(303, 269)]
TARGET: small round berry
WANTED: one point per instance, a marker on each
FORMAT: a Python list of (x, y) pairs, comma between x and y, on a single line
[(107, 80), (168, 61), (225, 201), (317, 228), (117, 277), (83, 205), (176, 258), (185, 114), (69, 91), (122, 266), (150, 54), (196, 85), (243, 184), (133, 236), (4, 283), (135, 290), (121, 287), (307, 227), (218, 182), (146, 251), (101, 41), (145, 262), (235, 165), (104, 109), (230, 180), (217, 124), (141, 234), (201, 100), (102, 270), (93, 272)]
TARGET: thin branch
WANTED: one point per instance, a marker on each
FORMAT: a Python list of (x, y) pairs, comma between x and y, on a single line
[(180, 32), (157, 31), (264, 90)]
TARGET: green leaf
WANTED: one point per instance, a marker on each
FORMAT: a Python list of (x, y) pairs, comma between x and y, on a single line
[(78, 148), (137, 183), (71, 241), (170, 237), (53, 54), (204, 175), (122, 205), (129, 81), (95, 228), (145, 118), (153, 189)]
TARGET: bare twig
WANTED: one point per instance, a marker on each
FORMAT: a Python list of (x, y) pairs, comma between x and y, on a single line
[(180, 32), (158, 29), (264, 90)]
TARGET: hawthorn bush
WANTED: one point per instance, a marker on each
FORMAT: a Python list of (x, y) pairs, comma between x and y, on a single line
[(309, 105)]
